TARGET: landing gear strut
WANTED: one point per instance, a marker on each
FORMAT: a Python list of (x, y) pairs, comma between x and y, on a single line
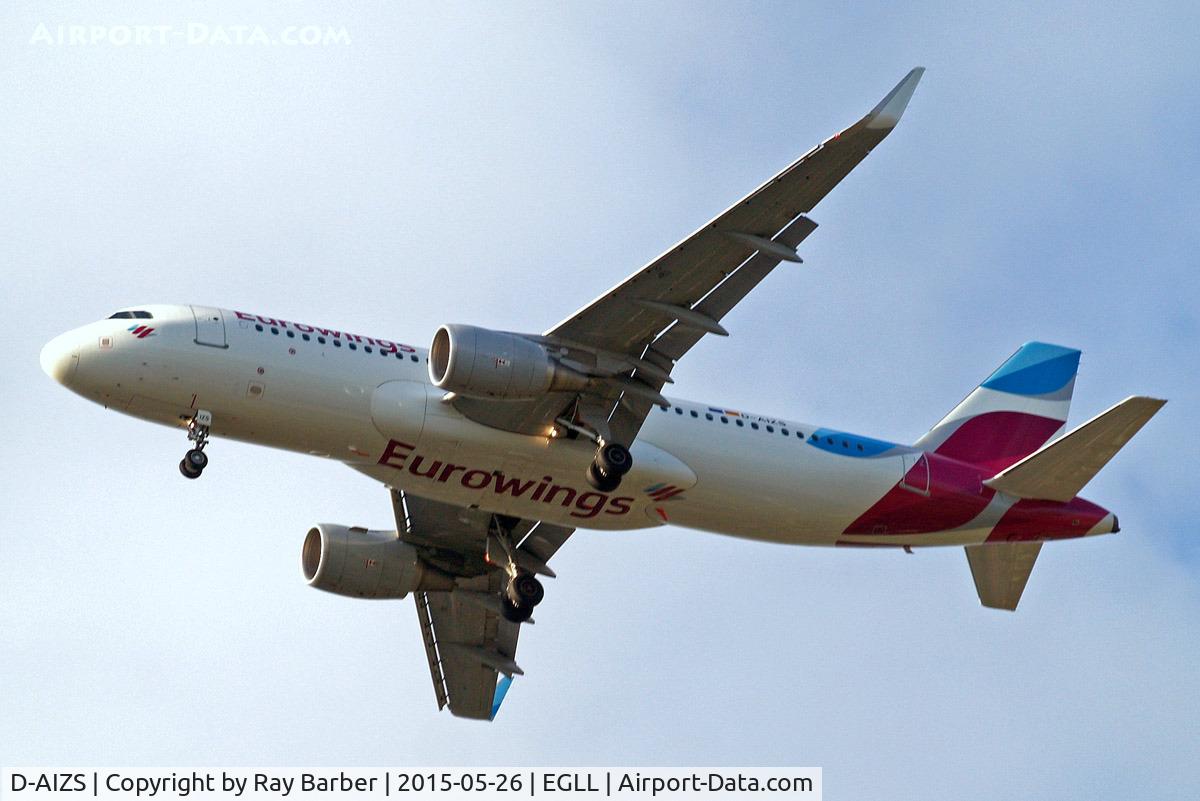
[(612, 462), (195, 460)]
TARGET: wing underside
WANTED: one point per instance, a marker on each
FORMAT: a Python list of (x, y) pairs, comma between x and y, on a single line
[(469, 644)]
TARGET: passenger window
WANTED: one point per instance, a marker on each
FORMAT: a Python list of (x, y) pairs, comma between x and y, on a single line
[(754, 426), (353, 346), (321, 340), (337, 343), (258, 327), (305, 337), (678, 410), (414, 358), (291, 335), (708, 416), (725, 420), (740, 424), (783, 431), (695, 413), (275, 331)]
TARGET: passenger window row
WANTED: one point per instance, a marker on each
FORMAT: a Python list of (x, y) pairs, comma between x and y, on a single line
[(770, 428), (337, 343), (740, 423)]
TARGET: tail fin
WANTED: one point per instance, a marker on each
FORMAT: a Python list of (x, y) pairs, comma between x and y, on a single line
[(1011, 414)]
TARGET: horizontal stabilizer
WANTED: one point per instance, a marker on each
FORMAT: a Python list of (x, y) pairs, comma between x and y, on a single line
[(1058, 471), (1000, 570)]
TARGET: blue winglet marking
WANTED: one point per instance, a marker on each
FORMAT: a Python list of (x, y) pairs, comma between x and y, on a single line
[(501, 691)]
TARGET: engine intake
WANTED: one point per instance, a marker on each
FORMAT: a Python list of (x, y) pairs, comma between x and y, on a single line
[(480, 363), (366, 564)]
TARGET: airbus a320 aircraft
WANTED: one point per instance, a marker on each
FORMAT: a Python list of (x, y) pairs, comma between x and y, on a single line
[(496, 446)]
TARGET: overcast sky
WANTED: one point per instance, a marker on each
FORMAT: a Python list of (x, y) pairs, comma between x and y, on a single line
[(501, 165)]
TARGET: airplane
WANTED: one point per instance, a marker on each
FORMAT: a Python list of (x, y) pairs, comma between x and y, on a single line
[(496, 446)]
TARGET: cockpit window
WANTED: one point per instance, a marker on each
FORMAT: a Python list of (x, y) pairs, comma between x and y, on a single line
[(132, 315)]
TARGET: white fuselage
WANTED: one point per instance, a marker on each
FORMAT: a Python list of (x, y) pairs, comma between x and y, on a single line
[(369, 403)]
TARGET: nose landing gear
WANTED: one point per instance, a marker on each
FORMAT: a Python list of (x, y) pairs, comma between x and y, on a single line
[(195, 460)]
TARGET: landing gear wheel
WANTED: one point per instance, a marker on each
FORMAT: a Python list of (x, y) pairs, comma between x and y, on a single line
[(187, 470), (526, 590), (196, 459), (601, 482), (517, 614), (614, 459)]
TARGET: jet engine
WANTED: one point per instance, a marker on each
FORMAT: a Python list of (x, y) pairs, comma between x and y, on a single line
[(479, 363), (366, 564)]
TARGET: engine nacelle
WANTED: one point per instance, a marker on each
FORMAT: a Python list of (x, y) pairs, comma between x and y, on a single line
[(480, 363), (366, 564)]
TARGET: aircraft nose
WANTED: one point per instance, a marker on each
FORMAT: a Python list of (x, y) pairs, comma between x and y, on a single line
[(60, 358)]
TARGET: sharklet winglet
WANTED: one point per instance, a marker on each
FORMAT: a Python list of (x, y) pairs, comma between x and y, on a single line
[(889, 111)]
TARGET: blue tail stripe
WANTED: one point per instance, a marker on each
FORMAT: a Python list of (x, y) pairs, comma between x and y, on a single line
[(1036, 369)]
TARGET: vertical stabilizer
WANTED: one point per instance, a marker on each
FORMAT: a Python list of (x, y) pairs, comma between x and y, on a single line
[(1015, 411)]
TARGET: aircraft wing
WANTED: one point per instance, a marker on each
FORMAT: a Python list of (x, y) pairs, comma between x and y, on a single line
[(638, 329), (470, 646)]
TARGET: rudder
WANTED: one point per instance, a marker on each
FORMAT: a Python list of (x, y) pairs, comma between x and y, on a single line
[(1015, 411)]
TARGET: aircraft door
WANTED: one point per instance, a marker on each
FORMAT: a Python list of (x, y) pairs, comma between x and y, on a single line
[(210, 326), (916, 473)]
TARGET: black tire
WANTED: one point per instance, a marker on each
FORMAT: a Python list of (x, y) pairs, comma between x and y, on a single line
[(187, 470), (517, 614), (600, 481), (615, 459), (197, 459), (528, 590)]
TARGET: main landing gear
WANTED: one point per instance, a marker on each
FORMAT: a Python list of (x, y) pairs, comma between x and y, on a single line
[(522, 592), (195, 460), (612, 462), (521, 595)]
